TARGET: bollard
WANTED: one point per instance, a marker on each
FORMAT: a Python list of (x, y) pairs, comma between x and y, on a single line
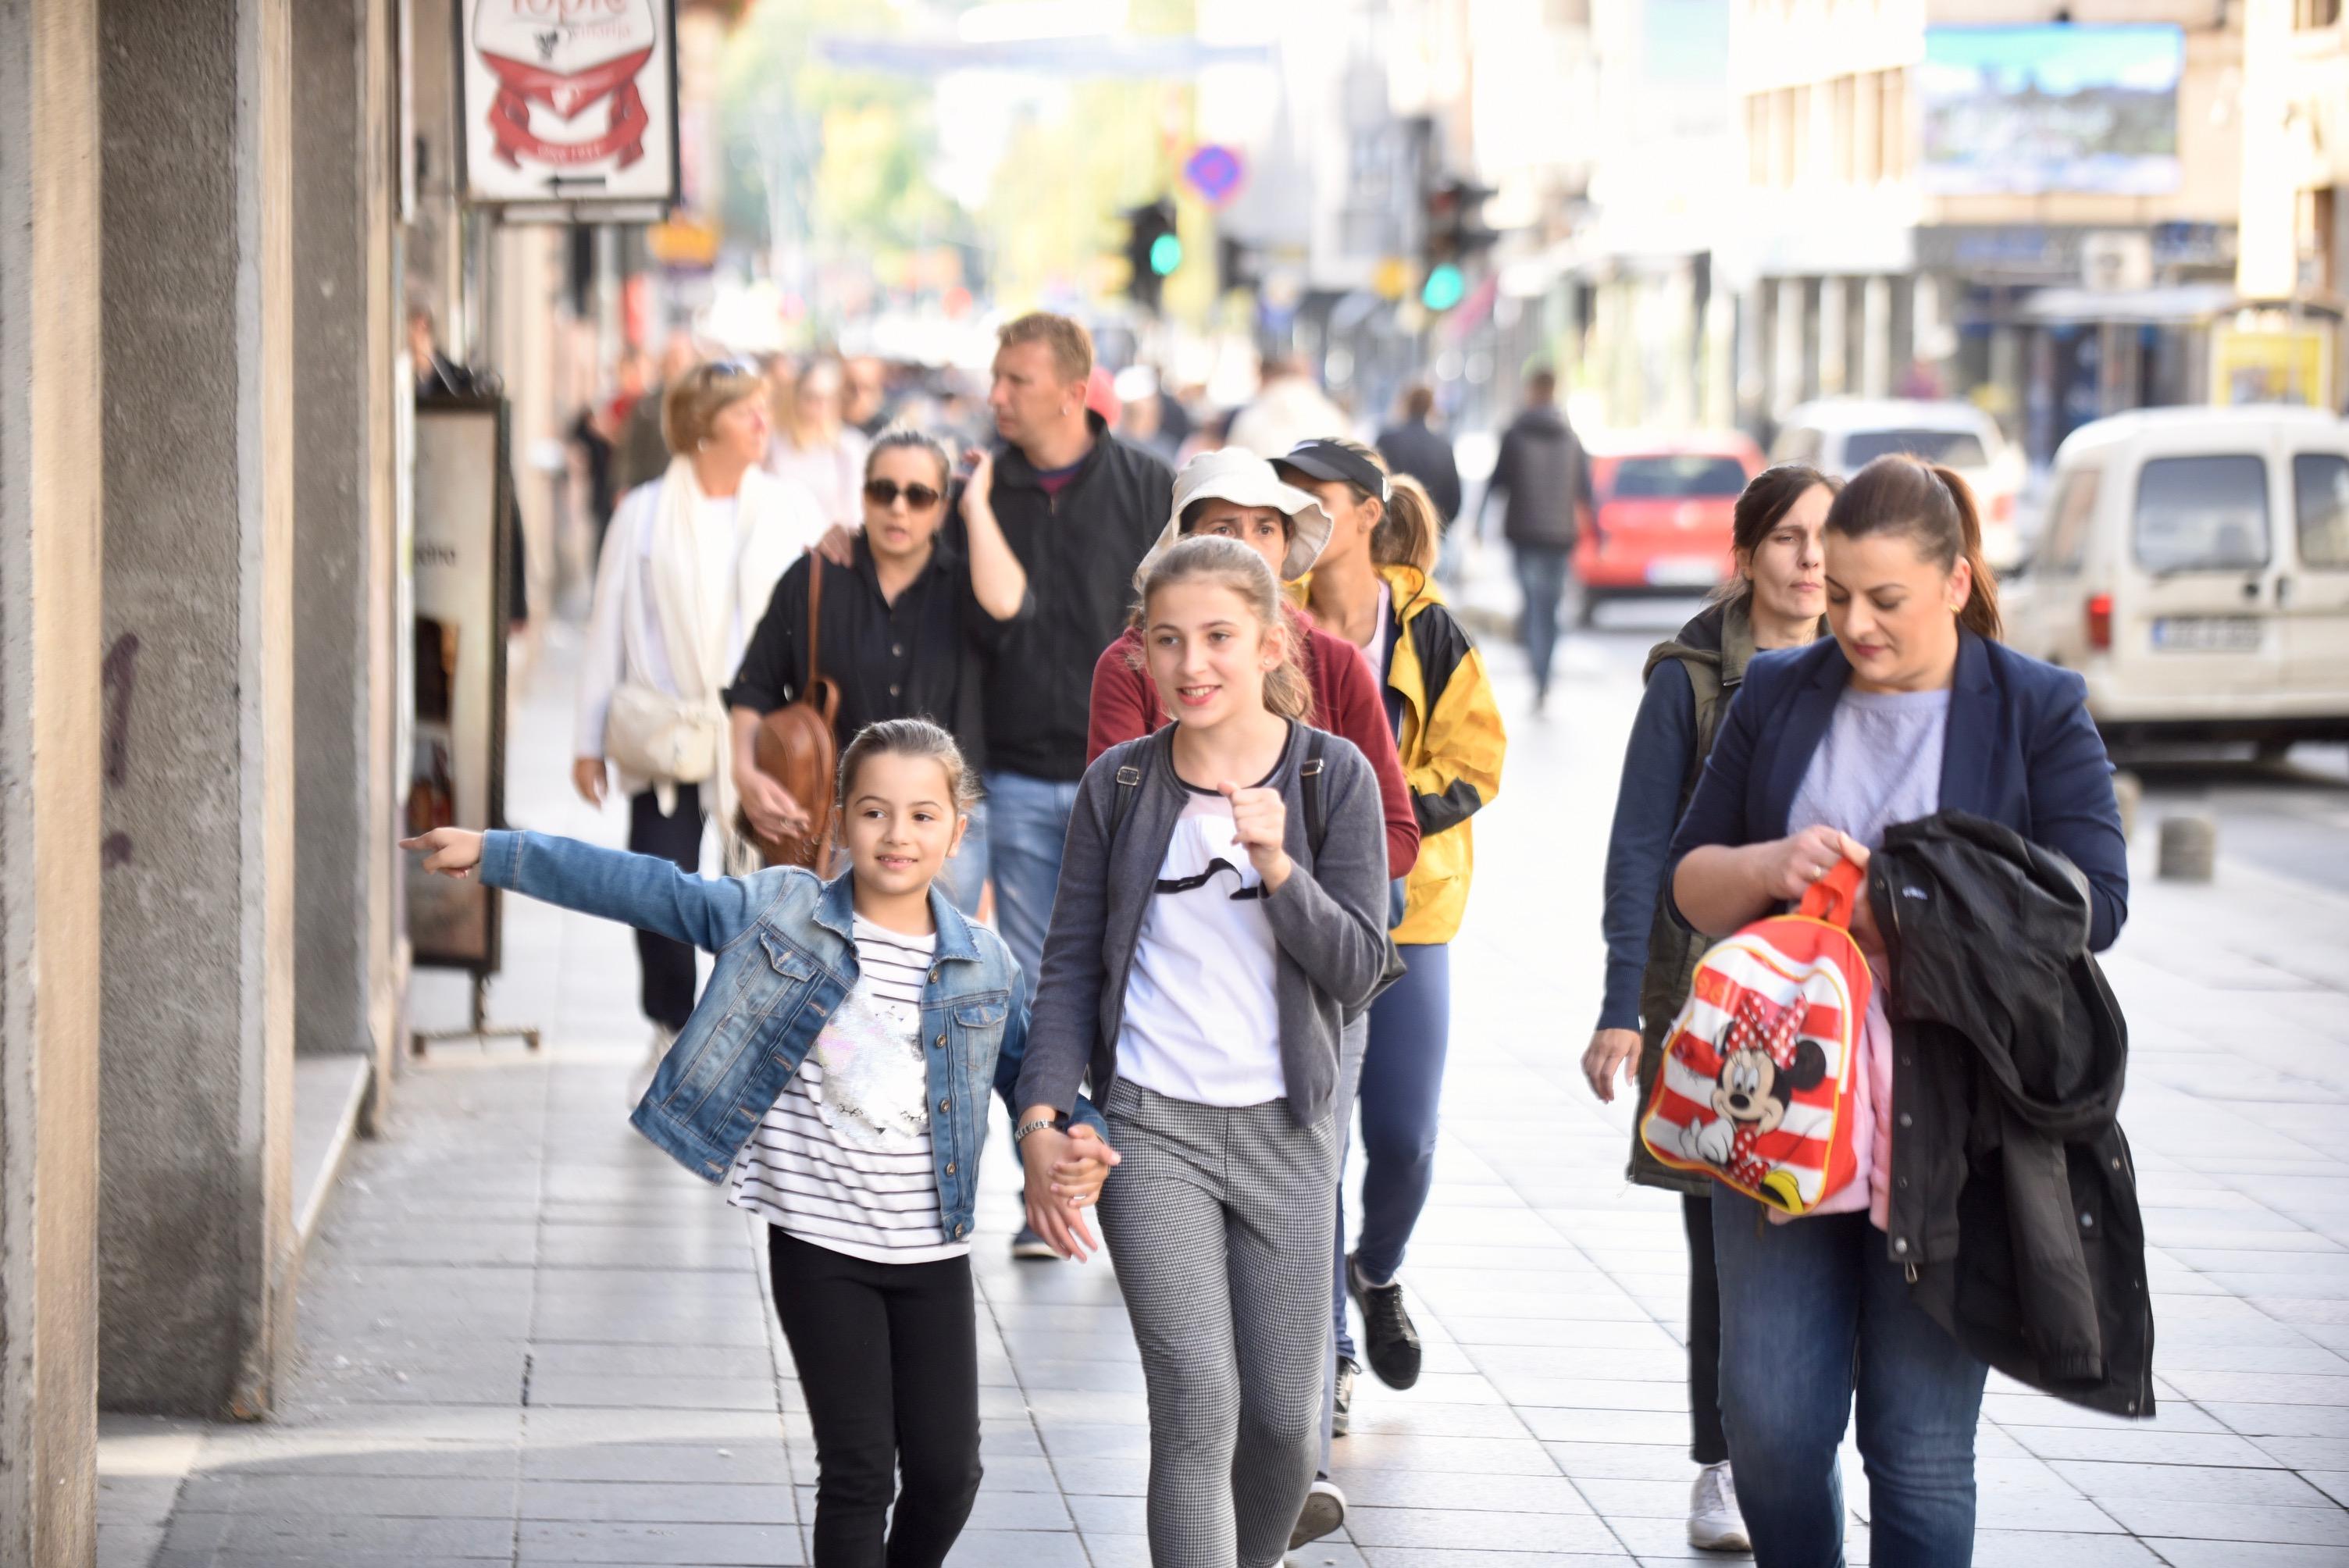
[(2190, 848), (2129, 792)]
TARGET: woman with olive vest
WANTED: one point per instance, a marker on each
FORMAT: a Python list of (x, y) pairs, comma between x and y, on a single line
[(1912, 708), (1371, 586), (689, 564), (1773, 601)]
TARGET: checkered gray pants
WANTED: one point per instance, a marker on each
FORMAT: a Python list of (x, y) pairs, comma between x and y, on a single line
[(1220, 1223)]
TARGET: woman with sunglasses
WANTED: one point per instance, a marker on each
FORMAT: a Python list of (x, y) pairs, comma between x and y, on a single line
[(900, 626)]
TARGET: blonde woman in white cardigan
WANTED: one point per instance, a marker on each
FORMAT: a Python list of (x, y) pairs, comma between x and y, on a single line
[(688, 567)]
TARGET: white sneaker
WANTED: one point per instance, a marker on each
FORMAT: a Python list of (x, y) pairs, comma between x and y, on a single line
[(1714, 1522), (1325, 1510)]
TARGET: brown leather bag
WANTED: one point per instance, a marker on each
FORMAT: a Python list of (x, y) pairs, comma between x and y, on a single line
[(797, 748)]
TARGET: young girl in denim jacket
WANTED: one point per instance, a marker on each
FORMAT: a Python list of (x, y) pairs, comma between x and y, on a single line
[(1222, 906), (836, 1073)]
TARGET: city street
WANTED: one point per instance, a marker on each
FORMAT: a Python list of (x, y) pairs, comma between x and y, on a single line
[(525, 1337)]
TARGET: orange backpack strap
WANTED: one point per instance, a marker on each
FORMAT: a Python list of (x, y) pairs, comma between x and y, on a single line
[(1834, 896)]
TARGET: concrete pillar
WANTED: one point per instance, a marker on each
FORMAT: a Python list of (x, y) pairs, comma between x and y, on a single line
[(50, 498), (1876, 339), (197, 980), (1831, 337), (1787, 360), (342, 500)]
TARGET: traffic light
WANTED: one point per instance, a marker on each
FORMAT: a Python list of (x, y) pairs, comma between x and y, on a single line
[(1153, 250), (1455, 236), (1237, 266)]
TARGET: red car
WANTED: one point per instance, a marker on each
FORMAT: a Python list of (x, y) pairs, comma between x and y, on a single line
[(1663, 511)]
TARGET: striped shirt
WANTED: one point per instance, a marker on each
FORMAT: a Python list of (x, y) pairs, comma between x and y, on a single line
[(842, 1157)]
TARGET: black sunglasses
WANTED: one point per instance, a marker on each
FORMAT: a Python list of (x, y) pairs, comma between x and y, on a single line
[(885, 493)]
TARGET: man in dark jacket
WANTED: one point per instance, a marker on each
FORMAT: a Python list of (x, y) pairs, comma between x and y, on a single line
[(1542, 471), (1079, 508), (1416, 448)]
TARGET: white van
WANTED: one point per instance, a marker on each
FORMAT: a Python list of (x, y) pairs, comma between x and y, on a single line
[(1840, 436), (2194, 567)]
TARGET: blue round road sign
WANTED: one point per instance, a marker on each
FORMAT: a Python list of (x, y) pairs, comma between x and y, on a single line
[(1214, 172)]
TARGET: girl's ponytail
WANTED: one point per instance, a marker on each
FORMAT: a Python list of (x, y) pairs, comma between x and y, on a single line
[(1980, 615), (1409, 528), (1408, 535)]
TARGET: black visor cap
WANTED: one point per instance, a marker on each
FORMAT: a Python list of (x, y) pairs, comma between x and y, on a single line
[(1329, 460)]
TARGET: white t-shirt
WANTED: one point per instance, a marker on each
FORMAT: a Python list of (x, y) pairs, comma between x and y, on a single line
[(1201, 1022), (842, 1157), (1375, 650)]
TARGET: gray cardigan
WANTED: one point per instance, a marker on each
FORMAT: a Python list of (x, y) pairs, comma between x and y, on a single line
[(1328, 920)]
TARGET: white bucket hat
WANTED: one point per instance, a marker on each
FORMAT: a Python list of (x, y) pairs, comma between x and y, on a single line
[(1243, 477)]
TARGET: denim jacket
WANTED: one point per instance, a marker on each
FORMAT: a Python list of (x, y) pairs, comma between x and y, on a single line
[(785, 960)]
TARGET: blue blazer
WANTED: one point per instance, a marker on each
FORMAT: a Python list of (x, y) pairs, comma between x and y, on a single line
[(2020, 750)]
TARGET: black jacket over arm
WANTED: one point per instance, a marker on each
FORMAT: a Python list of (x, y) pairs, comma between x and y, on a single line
[(2009, 1166)]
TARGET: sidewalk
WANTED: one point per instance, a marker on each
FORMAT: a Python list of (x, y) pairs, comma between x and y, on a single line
[(527, 1338)]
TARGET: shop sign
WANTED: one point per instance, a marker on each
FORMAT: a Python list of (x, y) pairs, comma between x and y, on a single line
[(569, 103)]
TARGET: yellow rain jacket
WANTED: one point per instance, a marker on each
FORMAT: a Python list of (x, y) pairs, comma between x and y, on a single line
[(1451, 743)]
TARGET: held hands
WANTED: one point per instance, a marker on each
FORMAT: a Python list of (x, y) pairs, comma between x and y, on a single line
[(451, 852), (1612, 1053), (1065, 1171), (587, 777), (1260, 819)]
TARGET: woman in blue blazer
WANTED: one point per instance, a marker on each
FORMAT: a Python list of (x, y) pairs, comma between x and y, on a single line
[(1913, 706)]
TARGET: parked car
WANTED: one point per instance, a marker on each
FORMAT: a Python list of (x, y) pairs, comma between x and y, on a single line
[(2195, 569), (1840, 436), (1660, 514)]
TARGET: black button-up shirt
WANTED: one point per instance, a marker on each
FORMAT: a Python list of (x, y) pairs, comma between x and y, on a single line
[(916, 658)]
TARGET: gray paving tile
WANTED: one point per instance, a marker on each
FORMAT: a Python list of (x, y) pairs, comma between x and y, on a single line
[(1450, 1492), (1478, 1530), (657, 1502), (2039, 1548), (737, 1464), (2234, 1522), (2199, 1553), (1425, 1557), (2191, 1483), (122, 1545), (1017, 1549), (333, 1496), (544, 1542), (2127, 1445)]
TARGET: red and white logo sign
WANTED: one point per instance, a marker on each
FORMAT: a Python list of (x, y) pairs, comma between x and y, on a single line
[(556, 63)]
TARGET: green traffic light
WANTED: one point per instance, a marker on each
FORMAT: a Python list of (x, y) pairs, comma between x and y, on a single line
[(1445, 287), (1166, 254)]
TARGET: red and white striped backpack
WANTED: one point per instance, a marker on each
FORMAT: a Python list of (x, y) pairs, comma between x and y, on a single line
[(1757, 1087)]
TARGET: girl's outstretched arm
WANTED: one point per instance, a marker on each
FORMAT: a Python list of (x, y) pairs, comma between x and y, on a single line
[(643, 891)]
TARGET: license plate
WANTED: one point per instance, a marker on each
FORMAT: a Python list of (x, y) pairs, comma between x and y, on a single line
[(1683, 572), (2207, 634)]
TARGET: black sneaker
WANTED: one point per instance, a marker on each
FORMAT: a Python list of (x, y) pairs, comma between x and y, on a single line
[(1343, 1414), (1390, 1339), (1028, 1244)]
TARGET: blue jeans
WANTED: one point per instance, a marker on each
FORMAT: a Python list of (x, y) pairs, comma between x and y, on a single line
[(1027, 826), (1811, 1312), (1402, 1085), (1541, 579)]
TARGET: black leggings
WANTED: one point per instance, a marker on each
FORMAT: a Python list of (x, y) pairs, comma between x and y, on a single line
[(1708, 1444), (665, 964), (888, 1358)]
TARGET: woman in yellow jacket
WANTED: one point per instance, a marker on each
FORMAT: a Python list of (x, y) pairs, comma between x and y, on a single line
[(1370, 586)]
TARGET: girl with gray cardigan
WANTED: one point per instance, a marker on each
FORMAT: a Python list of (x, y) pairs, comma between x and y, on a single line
[(1222, 908)]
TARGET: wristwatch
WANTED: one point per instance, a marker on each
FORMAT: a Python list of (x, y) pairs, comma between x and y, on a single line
[(1059, 1123)]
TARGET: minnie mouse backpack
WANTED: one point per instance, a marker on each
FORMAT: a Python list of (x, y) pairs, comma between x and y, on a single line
[(1757, 1085)]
